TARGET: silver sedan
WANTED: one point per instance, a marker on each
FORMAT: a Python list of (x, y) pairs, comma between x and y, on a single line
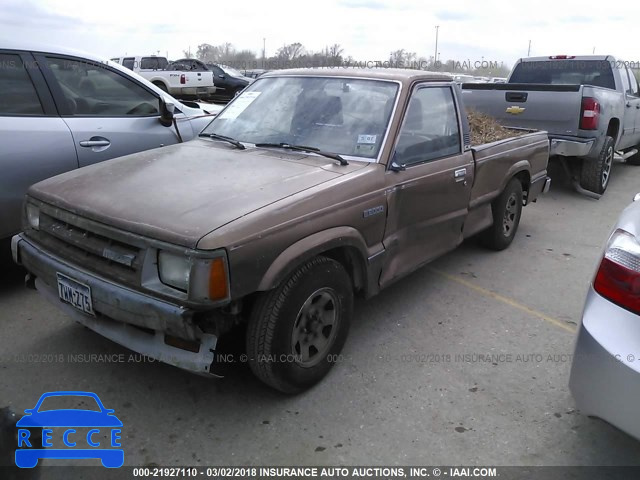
[(605, 375)]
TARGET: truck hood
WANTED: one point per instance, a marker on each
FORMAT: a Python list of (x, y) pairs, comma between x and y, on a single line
[(181, 192)]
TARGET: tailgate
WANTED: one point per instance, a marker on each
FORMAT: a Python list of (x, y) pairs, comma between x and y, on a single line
[(554, 108)]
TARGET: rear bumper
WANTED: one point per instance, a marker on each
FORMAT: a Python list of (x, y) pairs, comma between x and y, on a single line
[(571, 147), (193, 91), (132, 319), (605, 374)]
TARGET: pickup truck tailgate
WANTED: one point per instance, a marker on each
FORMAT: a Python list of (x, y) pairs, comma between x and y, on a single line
[(554, 108)]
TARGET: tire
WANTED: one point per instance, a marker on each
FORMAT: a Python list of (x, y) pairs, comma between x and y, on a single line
[(595, 173), (507, 210), (161, 86), (287, 346)]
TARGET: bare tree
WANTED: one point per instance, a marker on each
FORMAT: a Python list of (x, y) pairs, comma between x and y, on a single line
[(334, 51), (291, 51)]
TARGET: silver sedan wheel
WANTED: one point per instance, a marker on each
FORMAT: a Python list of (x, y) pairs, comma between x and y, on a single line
[(315, 328)]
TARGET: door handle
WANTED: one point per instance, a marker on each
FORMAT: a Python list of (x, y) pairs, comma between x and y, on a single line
[(628, 104), (95, 143), (460, 173)]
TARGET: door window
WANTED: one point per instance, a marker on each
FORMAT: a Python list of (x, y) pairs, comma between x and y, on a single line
[(17, 94), (129, 63), (153, 63), (430, 129), (92, 90), (633, 90), (626, 87)]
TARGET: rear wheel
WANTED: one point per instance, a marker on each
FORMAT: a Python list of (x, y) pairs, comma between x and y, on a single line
[(596, 172), (506, 209), (161, 86), (296, 330)]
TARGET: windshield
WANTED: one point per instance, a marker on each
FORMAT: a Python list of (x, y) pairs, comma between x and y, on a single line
[(565, 72), (337, 115)]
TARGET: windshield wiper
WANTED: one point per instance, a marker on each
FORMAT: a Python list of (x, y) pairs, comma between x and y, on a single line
[(303, 148), (230, 140)]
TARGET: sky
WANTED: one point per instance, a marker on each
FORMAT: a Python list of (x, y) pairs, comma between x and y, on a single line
[(366, 29)]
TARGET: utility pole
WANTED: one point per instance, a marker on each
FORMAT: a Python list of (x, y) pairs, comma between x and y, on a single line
[(529, 51), (435, 55)]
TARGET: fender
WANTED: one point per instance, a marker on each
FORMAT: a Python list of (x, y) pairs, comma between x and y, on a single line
[(307, 248), (516, 168)]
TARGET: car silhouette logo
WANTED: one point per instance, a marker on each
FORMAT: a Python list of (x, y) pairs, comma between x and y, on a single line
[(99, 422)]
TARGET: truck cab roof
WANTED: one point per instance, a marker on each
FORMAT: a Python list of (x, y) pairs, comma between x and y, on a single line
[(405, 76)]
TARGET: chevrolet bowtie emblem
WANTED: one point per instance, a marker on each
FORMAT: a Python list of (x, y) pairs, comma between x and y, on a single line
[(515, 110)]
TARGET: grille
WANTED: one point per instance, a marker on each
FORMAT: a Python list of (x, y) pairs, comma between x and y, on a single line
[(90, 250)]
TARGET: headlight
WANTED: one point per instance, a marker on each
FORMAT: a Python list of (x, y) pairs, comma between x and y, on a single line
[(33, 216), (174, 270), (203, 279)]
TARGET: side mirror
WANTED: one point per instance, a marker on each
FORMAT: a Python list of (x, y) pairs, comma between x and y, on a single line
[(397, 167), (166, 113)]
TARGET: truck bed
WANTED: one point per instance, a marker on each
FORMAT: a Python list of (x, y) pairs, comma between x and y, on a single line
[(495, 158)]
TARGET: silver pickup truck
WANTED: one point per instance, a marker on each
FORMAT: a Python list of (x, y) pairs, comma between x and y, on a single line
[(589, 105), (311, 187)]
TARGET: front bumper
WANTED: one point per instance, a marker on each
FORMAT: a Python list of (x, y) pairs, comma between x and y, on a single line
[(132, 319), (573, 147), (605, 374)]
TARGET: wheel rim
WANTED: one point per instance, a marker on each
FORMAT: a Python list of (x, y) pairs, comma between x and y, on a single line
[(510, 214), (315, 327), (606, 169)]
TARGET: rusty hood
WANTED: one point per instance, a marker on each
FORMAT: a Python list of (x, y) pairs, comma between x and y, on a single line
[(181, 192)]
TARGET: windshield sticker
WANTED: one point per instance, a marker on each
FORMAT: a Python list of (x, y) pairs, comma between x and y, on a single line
[(367, 139), (240, 104), (365, 149)]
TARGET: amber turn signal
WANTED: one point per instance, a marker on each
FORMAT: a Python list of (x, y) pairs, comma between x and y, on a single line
[(218, 289)]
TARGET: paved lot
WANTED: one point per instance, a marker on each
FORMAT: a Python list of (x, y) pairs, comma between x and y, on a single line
[(412, 388)]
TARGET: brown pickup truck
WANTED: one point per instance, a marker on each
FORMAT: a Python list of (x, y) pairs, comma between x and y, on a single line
[(311, 187)]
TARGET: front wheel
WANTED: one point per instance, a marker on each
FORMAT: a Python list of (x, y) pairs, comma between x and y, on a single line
[(595, 172), (297, 330), (506, 209)]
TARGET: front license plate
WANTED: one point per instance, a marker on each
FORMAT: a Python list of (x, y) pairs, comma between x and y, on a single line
[(75, 294)]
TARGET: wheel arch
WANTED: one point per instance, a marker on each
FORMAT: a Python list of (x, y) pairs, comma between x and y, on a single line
[(613, 130), (343, 244)]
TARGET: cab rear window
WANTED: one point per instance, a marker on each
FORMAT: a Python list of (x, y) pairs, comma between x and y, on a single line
[(597, 73)]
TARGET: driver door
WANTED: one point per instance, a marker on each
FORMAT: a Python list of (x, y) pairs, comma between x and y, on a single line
[(108, 113), (428, 183)]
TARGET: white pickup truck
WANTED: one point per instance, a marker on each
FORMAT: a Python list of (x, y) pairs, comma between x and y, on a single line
[(176, 83)]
